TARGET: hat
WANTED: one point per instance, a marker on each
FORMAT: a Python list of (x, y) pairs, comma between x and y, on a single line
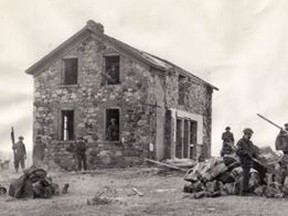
[(227, 128), (21, 137), (248, 131)]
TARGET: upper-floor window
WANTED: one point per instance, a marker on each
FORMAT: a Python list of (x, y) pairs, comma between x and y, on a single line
[(181, 90), (112, 70), (70, 75)]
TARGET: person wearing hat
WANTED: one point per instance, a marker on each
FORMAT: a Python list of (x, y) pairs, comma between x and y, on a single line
[(80, 151), (19, 153), (282, 145), (228, 142), (247, 153)]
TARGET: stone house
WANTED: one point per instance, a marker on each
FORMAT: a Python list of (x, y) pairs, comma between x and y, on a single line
[(128, 104)]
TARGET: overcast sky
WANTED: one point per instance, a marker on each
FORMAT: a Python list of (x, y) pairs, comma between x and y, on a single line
[(241, 46)]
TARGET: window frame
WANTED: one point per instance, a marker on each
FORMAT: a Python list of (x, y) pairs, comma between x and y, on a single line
[(61, 126), (181, 100), (63, 74), (106, 124), (105, 57)]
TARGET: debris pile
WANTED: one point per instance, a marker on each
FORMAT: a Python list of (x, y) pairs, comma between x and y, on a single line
[(3, 190), (34, 183), (4, 165), (223, 176), (103, 197)]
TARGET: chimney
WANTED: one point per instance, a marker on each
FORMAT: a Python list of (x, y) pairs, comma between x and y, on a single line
[(98, 27)]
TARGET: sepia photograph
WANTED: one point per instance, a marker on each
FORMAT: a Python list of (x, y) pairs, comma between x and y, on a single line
[(143, 107)]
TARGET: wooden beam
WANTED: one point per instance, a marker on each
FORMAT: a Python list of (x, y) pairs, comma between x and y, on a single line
[(166, 165)]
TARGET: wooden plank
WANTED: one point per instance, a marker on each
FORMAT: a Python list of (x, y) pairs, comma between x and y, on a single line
[(164, 164)]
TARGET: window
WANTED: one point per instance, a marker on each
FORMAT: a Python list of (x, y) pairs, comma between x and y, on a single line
[(70, 76), (112, 125), (112, 70), (181, 90), (67, 125)]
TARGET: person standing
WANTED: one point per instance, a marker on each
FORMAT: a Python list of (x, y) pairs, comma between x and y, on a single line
[(282, 145), (247, 153), (80, 150), (112, 131), (38, 151), (228, 142), (19, 154)]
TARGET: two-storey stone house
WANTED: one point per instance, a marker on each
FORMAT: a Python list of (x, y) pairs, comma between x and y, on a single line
[(126, 103)]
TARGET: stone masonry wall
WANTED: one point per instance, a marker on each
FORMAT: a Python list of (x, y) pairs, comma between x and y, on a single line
[(89, 99), (198, 100)]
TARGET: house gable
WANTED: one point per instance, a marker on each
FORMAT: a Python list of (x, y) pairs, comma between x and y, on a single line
[(96, 31)]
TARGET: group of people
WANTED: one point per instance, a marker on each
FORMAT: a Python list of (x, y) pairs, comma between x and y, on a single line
[(39, 148), (247, 153)]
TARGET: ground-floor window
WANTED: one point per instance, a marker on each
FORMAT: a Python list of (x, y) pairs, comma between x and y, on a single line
[(67, 125), (112, 125)]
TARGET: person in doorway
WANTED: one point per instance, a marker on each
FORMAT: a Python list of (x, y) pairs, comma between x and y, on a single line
[(19, 154), (112, 131)]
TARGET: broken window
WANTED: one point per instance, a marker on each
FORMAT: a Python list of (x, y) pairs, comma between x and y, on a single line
[(181, 90), (112, 70), (112, 125), (67, 125), (70, 76)]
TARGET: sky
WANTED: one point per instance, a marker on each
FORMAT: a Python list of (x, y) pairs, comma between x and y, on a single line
[(240, 46)]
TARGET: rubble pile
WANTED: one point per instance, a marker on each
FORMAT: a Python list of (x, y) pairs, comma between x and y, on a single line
[(34, 183), (220, 176)]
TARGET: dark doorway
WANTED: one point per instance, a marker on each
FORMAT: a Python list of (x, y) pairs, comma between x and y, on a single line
[(186, 143), (179, 139), (193, 139), (112, 125)]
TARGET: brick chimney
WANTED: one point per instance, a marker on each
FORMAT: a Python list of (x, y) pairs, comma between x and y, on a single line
[(98, 27)]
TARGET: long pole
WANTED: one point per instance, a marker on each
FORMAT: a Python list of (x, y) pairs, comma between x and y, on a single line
[(269, 121)]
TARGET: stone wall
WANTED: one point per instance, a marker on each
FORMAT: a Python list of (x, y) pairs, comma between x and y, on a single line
[(198, 100), (143, 98), (89, 99)]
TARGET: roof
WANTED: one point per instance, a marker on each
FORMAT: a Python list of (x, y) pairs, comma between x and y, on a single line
[(97, 29)]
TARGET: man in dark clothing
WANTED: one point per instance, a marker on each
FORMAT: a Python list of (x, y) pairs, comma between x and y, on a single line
[(112, 131), (228, 142), (247, 153), (19, 154), (80, 151), (38, 151), (282, 145)]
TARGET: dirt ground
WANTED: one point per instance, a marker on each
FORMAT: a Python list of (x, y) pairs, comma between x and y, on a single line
[(162, 196)]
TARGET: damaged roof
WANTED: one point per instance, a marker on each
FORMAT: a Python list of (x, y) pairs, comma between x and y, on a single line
[(97, 29)]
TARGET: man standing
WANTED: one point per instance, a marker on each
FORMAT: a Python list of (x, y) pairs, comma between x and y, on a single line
[(112, 131), (228, 142), (38, 151), (19, 154), (282, 145), (80, 150), (247, 153)]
